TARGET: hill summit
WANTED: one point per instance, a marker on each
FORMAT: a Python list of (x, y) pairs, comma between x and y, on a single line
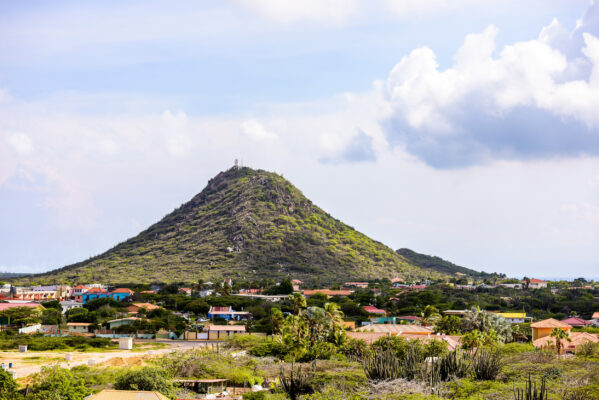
[(246, 224)]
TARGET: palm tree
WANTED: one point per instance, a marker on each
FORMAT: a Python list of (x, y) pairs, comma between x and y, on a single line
[(559, 335), (276, 319), (299, 302), (334, 314), (430, 315)]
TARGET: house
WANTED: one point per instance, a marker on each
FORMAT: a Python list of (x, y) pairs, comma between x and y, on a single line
[(327, 292), (296, 283), (515, 317), (41, 292), (115, 323), (595, 318), (79, 290), (185, 290), (134, 308), (69, 305), (374, 310), (361, 285), (543, 328), (397, 280), (576, 339), (227, 313), (109, 394), (577, 322), (99, 293), (349, 324), (217, 332), (206, 292), (536, 284), (511, 285), (78, 327)]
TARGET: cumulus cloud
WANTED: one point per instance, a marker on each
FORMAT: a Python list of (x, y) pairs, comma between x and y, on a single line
[(253, 129), (514, 104), (21, 143), (176, 133)]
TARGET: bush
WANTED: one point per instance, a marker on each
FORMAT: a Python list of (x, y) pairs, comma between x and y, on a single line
[(8, 386), (55, 383), (382, 366), (147, 378), (588, 349), (516, 348)]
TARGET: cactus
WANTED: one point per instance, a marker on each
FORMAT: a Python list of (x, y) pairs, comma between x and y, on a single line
[(530, 392), (382, 366), (296, 383), (451, 365), (410, 364), (486, 364)]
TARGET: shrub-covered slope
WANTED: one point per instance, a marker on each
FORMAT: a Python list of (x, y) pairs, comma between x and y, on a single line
[(245, 224), (438, 264)]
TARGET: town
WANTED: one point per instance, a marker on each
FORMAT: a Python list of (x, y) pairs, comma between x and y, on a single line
[(203, 315)]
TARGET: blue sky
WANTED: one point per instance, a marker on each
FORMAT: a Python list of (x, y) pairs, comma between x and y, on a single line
[(465, 129)]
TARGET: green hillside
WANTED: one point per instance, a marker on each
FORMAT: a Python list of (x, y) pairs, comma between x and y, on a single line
[(246, 224), (438, 264)]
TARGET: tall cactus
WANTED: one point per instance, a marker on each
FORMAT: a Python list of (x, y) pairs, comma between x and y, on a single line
[(296, 383), (530, 392), (382, 366)]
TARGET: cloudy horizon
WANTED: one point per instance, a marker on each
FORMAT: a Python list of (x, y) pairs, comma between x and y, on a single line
[(479, 145)]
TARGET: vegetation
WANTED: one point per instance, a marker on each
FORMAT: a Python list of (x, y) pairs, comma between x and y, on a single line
[(244, 218), (439, 264)]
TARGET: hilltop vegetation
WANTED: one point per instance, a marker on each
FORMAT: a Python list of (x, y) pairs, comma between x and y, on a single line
[(438, 264), (246, 224)]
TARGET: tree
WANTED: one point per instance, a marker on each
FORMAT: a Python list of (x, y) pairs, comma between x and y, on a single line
[(430, 315), (8, 386), (298, 301), (276, 319), (477, 319), (22, 316), (559, 335), (55, 383), (198, 307), (148, 379), (449, 325)]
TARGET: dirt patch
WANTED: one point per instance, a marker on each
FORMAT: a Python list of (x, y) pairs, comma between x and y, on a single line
[(124, 362)]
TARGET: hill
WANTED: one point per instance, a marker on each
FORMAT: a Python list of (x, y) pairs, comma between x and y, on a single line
[(438, 264), (246, 224)]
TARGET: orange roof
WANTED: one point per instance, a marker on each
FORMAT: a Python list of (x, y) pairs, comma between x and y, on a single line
[(78, 323), (123, 290), (576, 339), (595, 315), (80, 287), (96, 290), (328, 292), (550, 323)]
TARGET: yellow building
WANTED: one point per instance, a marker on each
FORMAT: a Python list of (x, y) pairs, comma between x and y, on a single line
[(543, 328)]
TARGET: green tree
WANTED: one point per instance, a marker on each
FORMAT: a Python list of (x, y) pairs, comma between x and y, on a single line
[(430, 315), (148, 379), (55, 383), (559, 335), (449, 325), (198, 307), (8, 386), (22, 316), (298, 301)]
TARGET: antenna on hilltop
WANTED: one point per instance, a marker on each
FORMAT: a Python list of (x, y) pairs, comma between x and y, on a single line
[(236, 164)]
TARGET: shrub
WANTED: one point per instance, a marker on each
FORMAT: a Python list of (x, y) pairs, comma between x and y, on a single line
[(55, 383), (487, 364), (8, 386), (147, 378), (516, 348), (588, 349)]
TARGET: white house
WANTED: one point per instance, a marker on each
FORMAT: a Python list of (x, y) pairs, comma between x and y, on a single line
[(536, 284), (595, 318)]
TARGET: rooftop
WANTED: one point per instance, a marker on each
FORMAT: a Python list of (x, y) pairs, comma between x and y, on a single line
[(394, 329), (550, 323)]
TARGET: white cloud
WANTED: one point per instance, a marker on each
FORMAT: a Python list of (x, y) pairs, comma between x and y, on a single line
[(20, 142), (176, 132), (410, 7), (253, 129), (510, 105)]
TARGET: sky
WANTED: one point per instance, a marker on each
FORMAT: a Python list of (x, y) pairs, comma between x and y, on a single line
[(466, 129)]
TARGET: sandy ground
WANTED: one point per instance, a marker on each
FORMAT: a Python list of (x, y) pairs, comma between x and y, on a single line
[(31, 362)]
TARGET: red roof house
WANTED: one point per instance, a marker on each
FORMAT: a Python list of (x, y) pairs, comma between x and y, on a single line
[(577, 322), (374, 310)]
